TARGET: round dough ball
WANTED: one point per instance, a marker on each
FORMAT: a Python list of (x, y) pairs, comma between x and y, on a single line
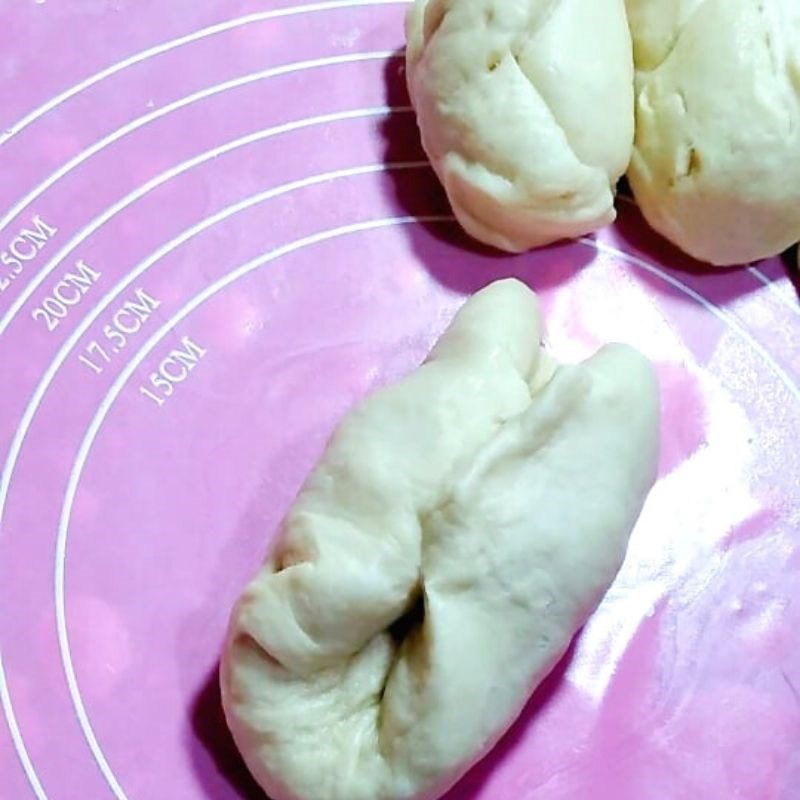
[(526, 112), (716, 163), (459, 529)]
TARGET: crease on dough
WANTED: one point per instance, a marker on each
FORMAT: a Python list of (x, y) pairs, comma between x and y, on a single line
[(657, 26)]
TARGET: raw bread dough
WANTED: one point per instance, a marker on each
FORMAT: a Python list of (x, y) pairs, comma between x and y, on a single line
[(526, 112), (716, 165), (491, 486)]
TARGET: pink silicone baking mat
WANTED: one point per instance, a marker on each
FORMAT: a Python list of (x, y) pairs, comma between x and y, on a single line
[(217, 232)]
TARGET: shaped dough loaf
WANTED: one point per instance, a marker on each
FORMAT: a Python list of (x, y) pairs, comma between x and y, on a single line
[(716, 165), (526, 112), (491, 487)]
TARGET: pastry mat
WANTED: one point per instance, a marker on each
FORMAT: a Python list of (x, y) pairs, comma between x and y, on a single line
[(217, 232)]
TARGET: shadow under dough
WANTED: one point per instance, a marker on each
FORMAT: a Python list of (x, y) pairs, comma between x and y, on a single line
[(790, 262), (218, 765), (470, 786), (418, 192), (224, 775), (452, 257)]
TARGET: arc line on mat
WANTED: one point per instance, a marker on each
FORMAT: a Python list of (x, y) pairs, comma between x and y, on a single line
[(720, 313), (154, 183), (16, 736), (145, 55), (97, 421), (51, 371), (754, 271), (794, 307), (184, 102), (188, 308)]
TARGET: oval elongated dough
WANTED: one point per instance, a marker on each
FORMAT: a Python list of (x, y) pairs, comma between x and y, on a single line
[(491, 486), (526, 112), (716, 164)]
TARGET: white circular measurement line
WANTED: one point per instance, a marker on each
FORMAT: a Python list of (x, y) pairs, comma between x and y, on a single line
[(63, 353), (97, 421), (172, 44), (754, 271), (163, 251), (774, 288), (110, 296), (140, 122), (16, 737), (118, 385), (720, 313), (95, 224)]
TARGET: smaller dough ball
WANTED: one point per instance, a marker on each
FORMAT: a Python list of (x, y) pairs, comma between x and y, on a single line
[(526, 112), (716, 164)]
